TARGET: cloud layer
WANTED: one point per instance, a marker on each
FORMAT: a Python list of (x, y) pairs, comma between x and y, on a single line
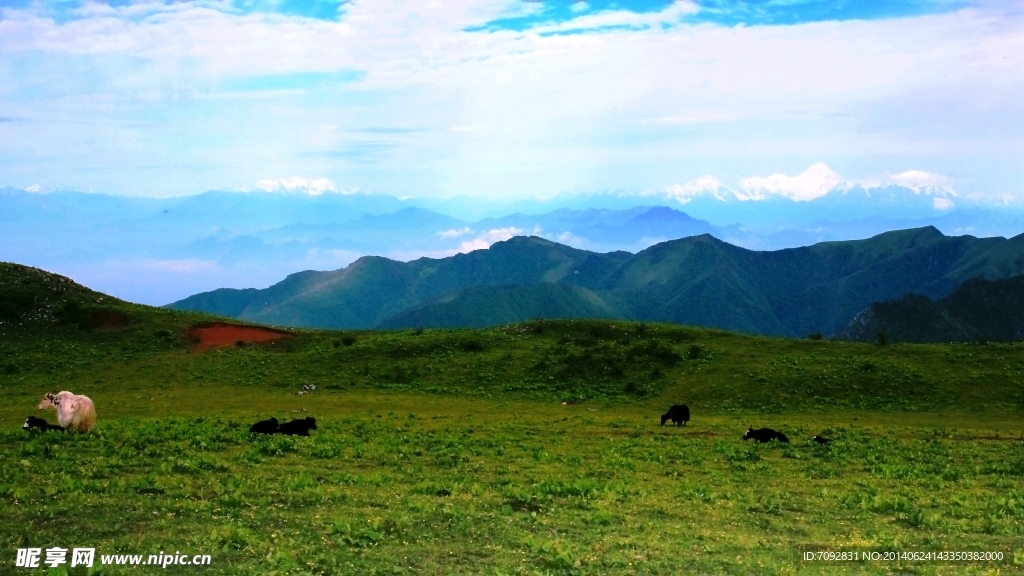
[(443, 99)]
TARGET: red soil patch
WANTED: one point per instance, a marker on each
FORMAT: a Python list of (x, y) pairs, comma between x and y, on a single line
[(217, 334)]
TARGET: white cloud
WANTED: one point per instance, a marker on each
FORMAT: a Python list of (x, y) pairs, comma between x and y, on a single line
[(559, 112), (814, 182), (453, 233), (300, 184), (34, 188), (489, 237), (622, 18), (919, 181), (819, 180), (482, 242), (698, 116)]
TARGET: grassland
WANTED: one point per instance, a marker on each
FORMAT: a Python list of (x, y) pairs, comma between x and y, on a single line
[(450, 451)]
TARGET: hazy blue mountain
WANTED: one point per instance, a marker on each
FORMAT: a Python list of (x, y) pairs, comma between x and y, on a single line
[(655, 224), (417, 231), (978, 309), (160, 250), (79, 209), (406, 229), (696, 280), (247, 212), (976, 222), (723, 207)]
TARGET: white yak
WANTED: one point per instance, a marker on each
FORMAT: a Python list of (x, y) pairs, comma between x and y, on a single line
[(74, 411)]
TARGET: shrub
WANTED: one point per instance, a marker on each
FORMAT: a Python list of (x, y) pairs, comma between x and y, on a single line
[(472, 346)]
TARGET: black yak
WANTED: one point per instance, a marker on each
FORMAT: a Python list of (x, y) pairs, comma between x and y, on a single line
[(765, 435), (821, 440), (298, 427), (679, 413), (33, 423), (264, 427)]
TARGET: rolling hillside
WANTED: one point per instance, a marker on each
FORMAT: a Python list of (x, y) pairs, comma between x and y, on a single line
[(100, 345), (490, 435), (697, 281)]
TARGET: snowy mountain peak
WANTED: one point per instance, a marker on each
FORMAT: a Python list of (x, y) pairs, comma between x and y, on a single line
[(299, 185), (815, 182), (702, 186)]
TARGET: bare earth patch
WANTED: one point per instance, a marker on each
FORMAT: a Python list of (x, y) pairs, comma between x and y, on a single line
[(205, 336)]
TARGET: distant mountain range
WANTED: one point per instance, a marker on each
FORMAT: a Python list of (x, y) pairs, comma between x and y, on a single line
[(697, 280), (979, 309), (161, 250)]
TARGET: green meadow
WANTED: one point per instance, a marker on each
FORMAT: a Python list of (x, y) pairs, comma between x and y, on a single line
[(525, 449)]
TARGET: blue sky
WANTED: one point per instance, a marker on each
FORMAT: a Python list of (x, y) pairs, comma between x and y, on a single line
[(501, 98)]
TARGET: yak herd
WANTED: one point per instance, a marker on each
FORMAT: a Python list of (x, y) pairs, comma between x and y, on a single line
[(300, 427), (76, 412), (680, 415)]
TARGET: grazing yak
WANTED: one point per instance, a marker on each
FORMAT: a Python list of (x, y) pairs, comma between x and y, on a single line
[(765, 435), (74, 411), (33, 423), (264, 427), (679, 413), (821, 440), (298, 427)]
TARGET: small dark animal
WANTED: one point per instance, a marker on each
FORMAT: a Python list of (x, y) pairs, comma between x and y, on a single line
[(765, 435), (33, 423), (821, 440), (679, 413), (264, 427), (298, 427)]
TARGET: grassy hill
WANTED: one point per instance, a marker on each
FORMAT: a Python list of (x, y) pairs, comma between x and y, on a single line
[(450, 451), (697, 281), (541, 359)]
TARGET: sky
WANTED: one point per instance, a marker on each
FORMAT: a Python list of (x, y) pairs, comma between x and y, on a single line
[(505, 98)]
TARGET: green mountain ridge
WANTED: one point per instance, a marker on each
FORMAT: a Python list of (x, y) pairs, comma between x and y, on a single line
[(979, 309), (697, 280), (482, 306)]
